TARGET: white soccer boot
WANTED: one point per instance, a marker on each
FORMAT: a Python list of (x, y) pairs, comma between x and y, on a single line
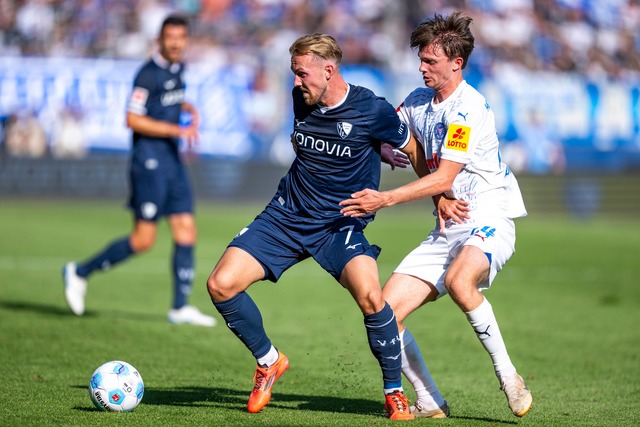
[(421, 412), (518, 395), (189, 314), (75, 288)]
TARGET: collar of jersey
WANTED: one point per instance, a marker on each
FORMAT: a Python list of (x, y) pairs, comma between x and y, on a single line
[(163, 63), (325, 109), (450, 98)]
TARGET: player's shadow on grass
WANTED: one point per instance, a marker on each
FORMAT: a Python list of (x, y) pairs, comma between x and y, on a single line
[(484, 419), (35, 307), (235, 399), (58, 310)]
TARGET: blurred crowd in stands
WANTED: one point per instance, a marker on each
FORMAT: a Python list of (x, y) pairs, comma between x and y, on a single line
[(592, 37), (596, 39)]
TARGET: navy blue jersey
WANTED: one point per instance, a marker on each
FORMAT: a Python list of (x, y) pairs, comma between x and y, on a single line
[(159, 180), (338, 152), (158, 92)]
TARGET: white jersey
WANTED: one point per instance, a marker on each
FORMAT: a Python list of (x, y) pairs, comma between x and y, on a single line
[(462, 129)]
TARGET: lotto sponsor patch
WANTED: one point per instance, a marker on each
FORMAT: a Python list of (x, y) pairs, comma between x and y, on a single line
[(458, 137)]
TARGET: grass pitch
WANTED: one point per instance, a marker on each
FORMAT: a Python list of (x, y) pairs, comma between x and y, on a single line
[(568, 304)]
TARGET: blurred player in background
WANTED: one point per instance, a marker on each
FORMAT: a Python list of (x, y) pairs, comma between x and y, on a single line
[(474, 238), (337, 133), (159, 182)]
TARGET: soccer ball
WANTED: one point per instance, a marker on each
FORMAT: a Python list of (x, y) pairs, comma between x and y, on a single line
[(116, 386)]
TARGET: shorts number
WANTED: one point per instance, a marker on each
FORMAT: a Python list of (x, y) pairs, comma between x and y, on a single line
[(350, 228), (483, 232)]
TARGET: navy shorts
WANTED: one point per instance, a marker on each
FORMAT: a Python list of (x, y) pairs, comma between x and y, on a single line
[(159, 185), (278, 241)]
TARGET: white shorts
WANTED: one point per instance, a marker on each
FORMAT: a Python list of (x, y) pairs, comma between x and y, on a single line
[(496, 237)]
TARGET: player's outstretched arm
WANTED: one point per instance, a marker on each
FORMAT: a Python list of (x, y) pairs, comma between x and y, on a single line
[(369, 201)]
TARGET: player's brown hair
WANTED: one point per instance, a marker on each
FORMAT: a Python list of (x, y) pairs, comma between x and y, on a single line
[(451, 33)]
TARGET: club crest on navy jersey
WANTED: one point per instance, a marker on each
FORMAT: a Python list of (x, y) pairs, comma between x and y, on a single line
[(344, 129)]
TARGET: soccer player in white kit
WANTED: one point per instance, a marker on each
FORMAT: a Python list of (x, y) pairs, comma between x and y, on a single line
[(477, 198)]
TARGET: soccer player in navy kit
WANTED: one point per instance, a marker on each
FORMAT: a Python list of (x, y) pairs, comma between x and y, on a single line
[(158, 179), (337, 136)]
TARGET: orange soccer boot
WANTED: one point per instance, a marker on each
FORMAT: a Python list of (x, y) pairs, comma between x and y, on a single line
[(397, 406), (264, 379)]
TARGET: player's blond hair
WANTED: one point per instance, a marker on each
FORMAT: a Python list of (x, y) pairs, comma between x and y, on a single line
[(321, 45)]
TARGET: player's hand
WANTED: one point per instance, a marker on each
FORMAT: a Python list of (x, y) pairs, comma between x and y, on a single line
[(190, 135), (364, 202), (451, 209), (195, 118), (393, 157)]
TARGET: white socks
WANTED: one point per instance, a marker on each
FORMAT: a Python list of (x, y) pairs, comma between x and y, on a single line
[(269, 359), (414, 368), (484, 323)]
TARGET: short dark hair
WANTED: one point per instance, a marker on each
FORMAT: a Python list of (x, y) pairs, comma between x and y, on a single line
[(451, 33), (176, 20)]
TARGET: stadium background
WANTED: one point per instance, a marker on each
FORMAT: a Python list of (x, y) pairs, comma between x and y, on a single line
[(561, 75), (569, 299)]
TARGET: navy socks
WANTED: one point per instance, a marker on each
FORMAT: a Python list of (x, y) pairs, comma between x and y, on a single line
[(384, 341), (183, 272), (243, 317), (117, 251)]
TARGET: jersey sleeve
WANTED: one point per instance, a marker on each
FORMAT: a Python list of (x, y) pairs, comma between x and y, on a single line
[(387, 127), (404, 112), (142, 87), (401, 110)]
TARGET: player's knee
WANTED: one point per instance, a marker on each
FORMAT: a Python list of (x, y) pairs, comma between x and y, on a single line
[(213, 287), (185, 236), (460, 291), (142, 243), (220, 286), (371, 302), (183, 229)]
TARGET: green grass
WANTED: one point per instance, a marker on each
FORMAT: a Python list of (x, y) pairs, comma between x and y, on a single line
[(568, 303)]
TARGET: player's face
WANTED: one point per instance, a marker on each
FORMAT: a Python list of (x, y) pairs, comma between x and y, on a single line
[(311, 77), (173, 42), (437, 70)]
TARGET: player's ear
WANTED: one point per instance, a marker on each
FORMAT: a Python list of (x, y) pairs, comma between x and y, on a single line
[(457, 64), (329, 69)]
